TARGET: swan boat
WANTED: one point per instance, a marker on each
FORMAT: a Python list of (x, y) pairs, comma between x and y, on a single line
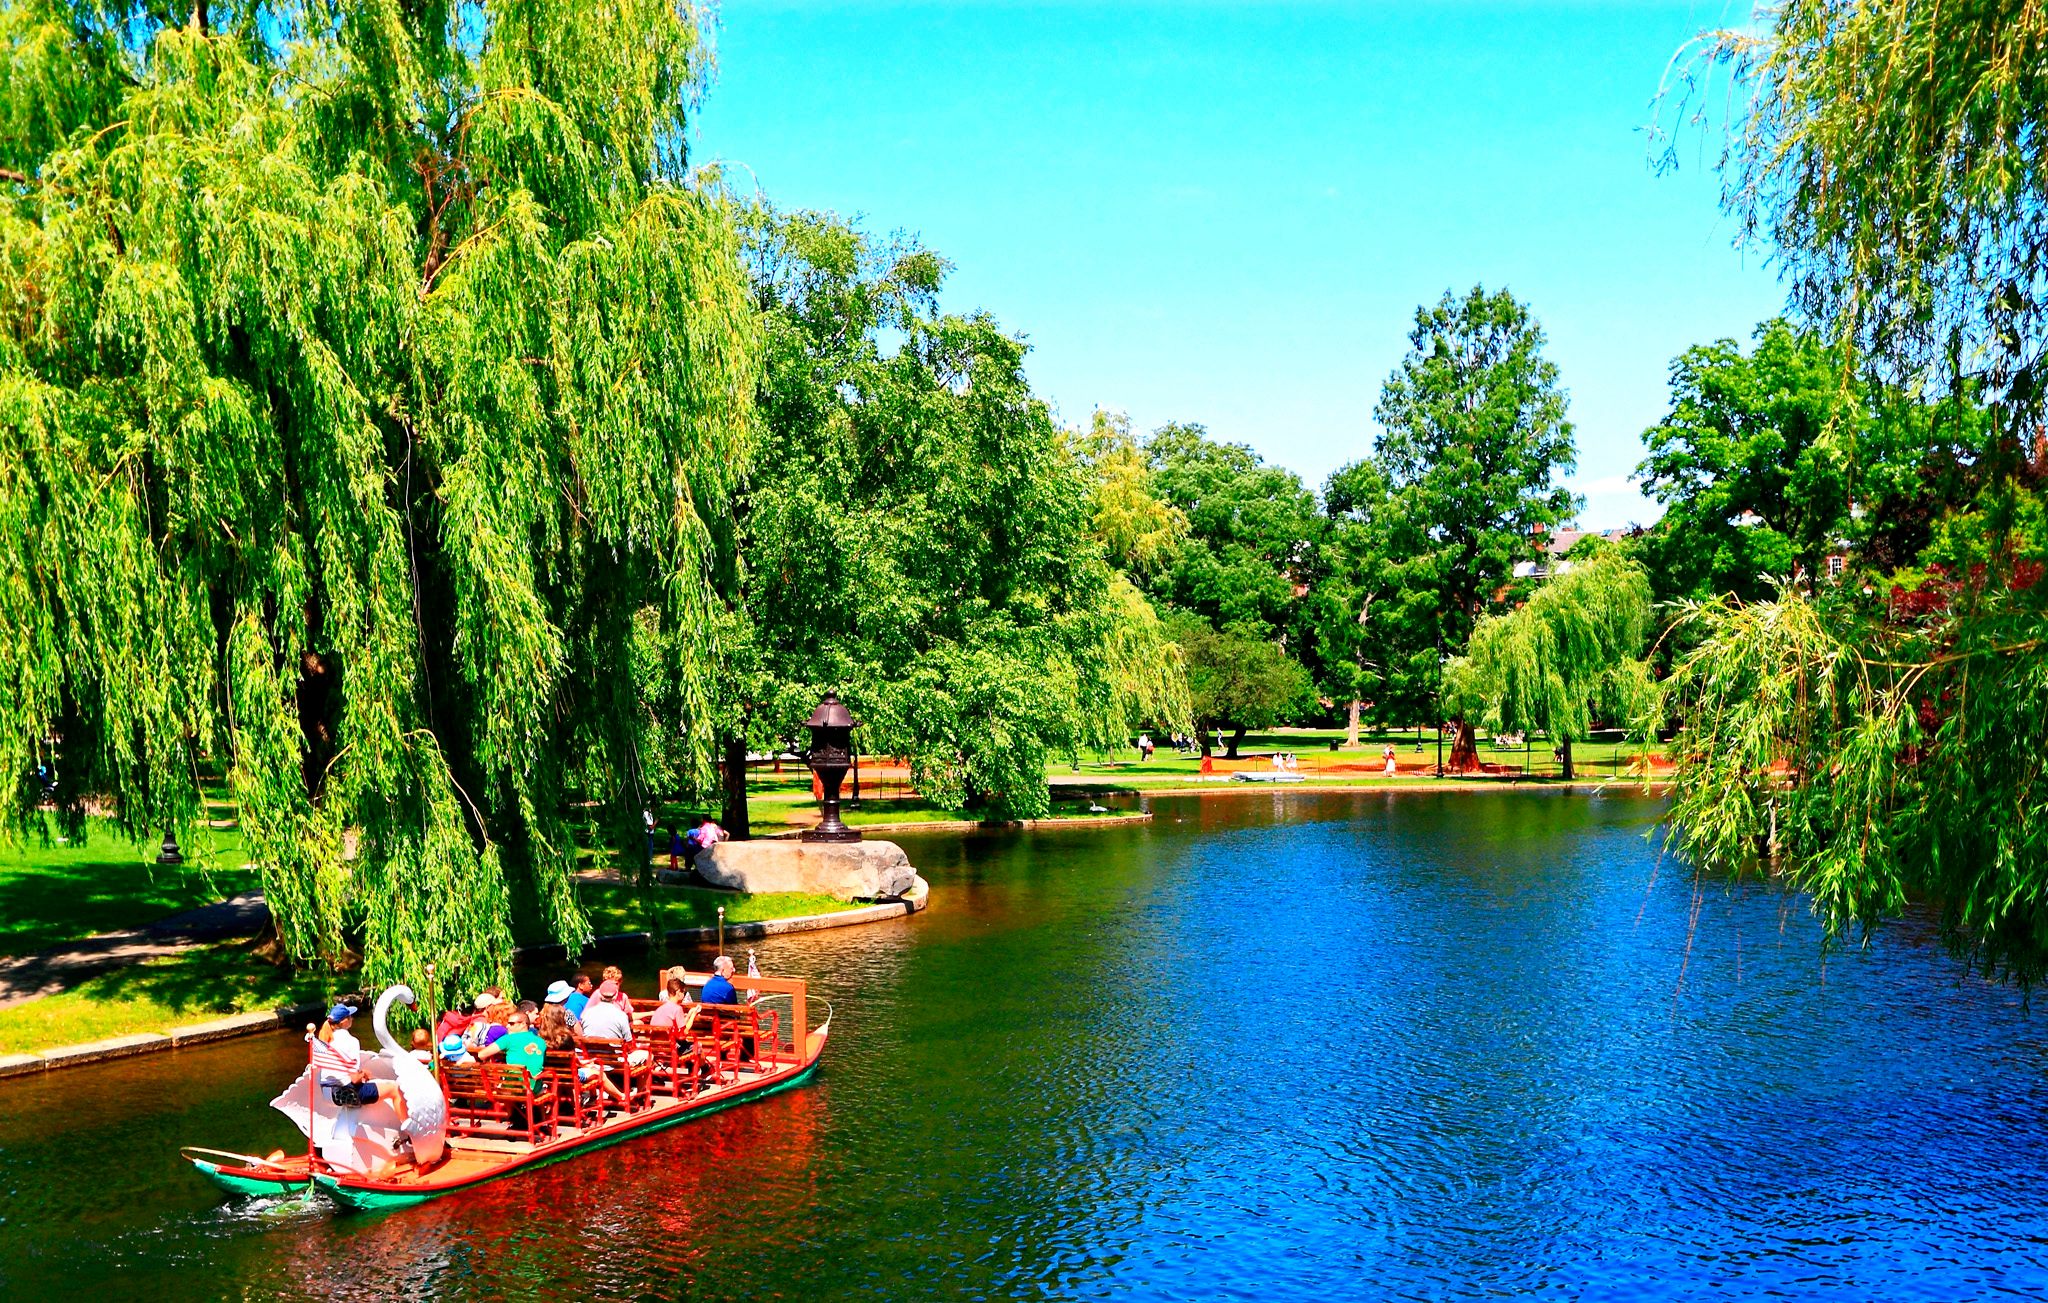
[(355, 1167)]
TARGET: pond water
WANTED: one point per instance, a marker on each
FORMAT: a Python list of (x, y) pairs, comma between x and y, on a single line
[(1267, 1046)]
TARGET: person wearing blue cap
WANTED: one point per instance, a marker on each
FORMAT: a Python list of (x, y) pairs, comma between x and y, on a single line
[(454, 1053), (339, 1057)]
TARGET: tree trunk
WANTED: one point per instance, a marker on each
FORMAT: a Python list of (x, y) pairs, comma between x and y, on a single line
[(1236, 736), (1465, 750), (734, 775), (1564, 751), (1207, 740), (1351, 724)]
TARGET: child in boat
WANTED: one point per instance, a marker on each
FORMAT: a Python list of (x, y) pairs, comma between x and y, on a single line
[(423, 1045), (454, 1054)]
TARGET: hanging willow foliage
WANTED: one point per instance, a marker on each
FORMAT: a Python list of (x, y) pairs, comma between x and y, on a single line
[(372, 378), (1881, 741)]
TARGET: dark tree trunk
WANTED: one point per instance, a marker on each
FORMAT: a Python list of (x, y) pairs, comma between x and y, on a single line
[(734, 774), (1236, 737), (1465, 750), (1564, 752), (1206, 739)]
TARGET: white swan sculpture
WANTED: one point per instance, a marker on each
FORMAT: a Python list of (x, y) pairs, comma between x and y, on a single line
[(374, 1136), (426, 1109)]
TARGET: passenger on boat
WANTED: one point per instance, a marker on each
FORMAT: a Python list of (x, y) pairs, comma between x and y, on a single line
[(719, 989), (675, 1005), (580, 996), (603, 1019), (350, 1089), (558, 993), (495, 1019), (519, 1046), (453, 1022), (556, 1028), (423, 1045), (479, 1020), (454, 1053)]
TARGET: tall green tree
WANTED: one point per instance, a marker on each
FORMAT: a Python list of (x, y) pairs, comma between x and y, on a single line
[(916, 534), (1250, 532), (1475, 440), (1238, 682), (1773, 459), (1870, 749), (1571, 654), (372, 382)]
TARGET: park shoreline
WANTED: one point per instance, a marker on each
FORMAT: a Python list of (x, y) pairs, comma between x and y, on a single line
[(292, 1018)]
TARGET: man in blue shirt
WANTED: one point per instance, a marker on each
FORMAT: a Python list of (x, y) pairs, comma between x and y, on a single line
[(719, 989), (579, 997)]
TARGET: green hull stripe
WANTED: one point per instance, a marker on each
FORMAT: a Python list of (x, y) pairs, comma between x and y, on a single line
[(380, 1201), (245, 1184)]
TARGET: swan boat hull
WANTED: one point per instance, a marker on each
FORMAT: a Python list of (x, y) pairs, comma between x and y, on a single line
[(468, 1166), (246, 1176)]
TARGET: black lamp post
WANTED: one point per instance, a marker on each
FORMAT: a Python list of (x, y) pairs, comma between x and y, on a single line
[(830, 756)]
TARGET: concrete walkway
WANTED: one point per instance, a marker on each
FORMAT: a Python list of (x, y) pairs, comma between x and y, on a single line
[(28, 977)]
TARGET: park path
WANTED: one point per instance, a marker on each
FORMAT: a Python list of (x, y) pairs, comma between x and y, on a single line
[(47, 972)]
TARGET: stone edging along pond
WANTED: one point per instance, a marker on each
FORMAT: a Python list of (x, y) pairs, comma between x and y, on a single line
[(265, 1020)]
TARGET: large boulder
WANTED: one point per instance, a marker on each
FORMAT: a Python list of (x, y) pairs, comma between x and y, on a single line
[(844, 870)]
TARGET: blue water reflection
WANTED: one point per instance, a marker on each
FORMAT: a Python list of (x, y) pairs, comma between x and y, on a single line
[(1270, 1046)]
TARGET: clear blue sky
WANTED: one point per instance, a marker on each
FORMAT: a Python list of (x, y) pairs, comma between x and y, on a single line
[(1228, 213)]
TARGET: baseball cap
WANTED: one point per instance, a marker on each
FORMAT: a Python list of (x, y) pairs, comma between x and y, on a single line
[(607, 989), (341, 1011), (483, 1001)]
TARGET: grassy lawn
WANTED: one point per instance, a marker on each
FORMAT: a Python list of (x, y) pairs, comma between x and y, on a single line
[(1350, 766), (60, 892), (616, 908), (200, 984)]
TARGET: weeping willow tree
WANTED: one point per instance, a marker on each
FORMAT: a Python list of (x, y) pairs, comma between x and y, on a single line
[(1882, 739), (372, 379), (1571, 654)]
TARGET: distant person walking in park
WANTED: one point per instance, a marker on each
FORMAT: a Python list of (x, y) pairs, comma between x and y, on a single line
[(1145, 746), (1388, 756)]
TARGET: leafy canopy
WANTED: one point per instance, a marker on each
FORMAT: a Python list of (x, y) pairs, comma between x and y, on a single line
[(917, 535), (372, 379)]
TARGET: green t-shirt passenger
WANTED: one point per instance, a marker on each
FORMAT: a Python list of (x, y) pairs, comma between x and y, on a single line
[(525, 1049)]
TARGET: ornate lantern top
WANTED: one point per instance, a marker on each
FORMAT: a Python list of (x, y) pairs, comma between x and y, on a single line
[(831, 713)]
